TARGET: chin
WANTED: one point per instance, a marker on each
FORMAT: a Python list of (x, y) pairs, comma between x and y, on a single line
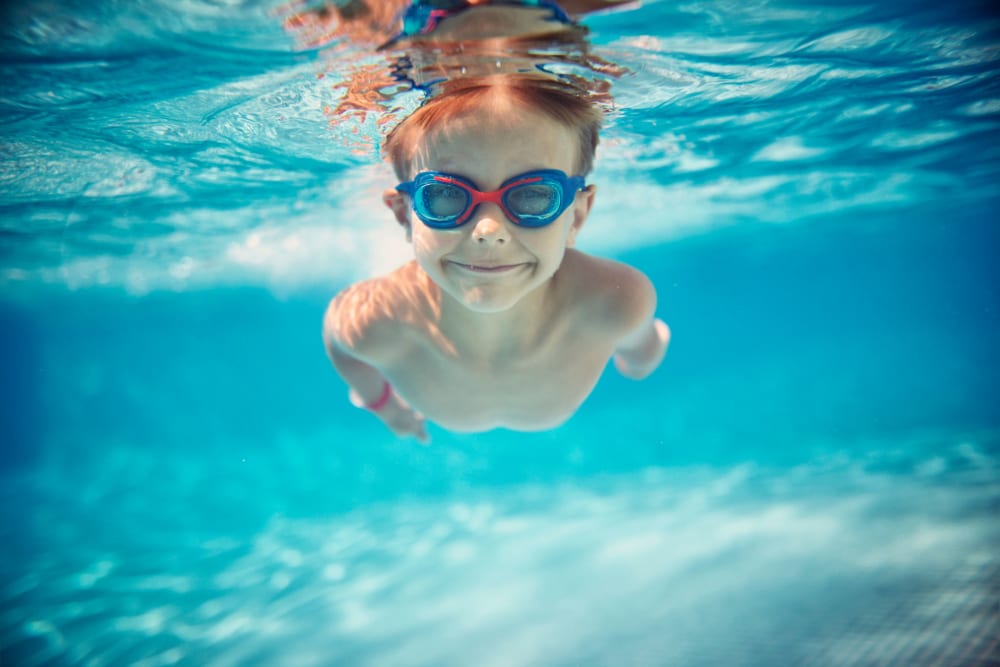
[(480, 302)]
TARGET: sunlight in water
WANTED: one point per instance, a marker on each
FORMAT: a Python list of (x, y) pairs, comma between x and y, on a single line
[(656, 563)]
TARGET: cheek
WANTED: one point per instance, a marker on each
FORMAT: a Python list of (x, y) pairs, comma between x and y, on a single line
[(563, 233), (550, 249), (428, 243)]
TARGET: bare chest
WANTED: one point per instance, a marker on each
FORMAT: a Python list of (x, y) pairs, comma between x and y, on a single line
[(535, 391)]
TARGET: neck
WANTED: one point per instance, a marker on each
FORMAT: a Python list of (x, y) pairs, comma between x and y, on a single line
[(500, 337)]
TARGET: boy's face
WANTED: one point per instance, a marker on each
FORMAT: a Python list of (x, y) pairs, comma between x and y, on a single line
[(489, 263)]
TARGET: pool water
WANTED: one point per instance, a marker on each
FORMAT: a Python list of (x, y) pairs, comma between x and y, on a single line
[(811, 478)]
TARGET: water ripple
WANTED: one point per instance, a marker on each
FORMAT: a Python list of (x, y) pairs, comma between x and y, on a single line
[(117, 170)]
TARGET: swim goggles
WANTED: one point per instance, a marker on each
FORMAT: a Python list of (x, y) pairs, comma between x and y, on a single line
[(532, 199)]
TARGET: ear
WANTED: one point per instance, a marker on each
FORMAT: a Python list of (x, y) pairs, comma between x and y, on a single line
[(399, 204), (581, 210)]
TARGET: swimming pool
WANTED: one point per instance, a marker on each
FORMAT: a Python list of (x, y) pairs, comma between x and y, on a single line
[(810, 479)]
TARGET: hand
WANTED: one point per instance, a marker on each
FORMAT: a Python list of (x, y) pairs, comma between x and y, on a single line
[(403, 420)]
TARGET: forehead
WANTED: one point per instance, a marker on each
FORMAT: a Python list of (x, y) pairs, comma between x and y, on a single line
[(497, 143)]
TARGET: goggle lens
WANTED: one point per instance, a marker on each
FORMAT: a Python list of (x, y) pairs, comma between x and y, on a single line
[(533, 199), (442, 201)]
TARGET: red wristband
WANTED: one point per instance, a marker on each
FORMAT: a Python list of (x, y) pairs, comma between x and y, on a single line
[(382, 400)]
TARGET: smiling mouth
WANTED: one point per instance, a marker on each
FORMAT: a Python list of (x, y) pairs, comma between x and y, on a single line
[(487, 268)]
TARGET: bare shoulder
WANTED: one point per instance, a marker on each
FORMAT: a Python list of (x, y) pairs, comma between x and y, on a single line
[(369, 318), (615, 295)]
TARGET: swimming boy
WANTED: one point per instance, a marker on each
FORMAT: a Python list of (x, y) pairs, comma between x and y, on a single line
[(498, 321)]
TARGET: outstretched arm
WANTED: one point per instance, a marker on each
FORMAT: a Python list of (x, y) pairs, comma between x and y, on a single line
[(370, 390), (355, 340), (642, 338), (639, 353)]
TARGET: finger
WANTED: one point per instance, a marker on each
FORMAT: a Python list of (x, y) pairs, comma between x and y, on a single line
[(400, 428), (420, 429), (411, 427)]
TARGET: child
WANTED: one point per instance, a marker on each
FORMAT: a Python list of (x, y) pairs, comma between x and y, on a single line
[(498, 321)]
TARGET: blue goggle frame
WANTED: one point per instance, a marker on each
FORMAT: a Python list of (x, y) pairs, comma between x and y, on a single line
[(563, 186)]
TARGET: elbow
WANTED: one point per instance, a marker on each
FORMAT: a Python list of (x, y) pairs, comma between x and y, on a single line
[(639, 363), (633, 371)]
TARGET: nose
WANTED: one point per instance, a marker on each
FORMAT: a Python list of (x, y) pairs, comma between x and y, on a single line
[(490, 226)]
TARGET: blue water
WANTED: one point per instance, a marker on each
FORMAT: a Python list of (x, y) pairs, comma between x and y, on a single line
[(810, 479)]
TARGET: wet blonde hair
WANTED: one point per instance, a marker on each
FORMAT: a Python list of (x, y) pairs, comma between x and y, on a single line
[(563, 103)]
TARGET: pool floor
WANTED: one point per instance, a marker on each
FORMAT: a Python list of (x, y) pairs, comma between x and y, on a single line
[(858, 558)]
